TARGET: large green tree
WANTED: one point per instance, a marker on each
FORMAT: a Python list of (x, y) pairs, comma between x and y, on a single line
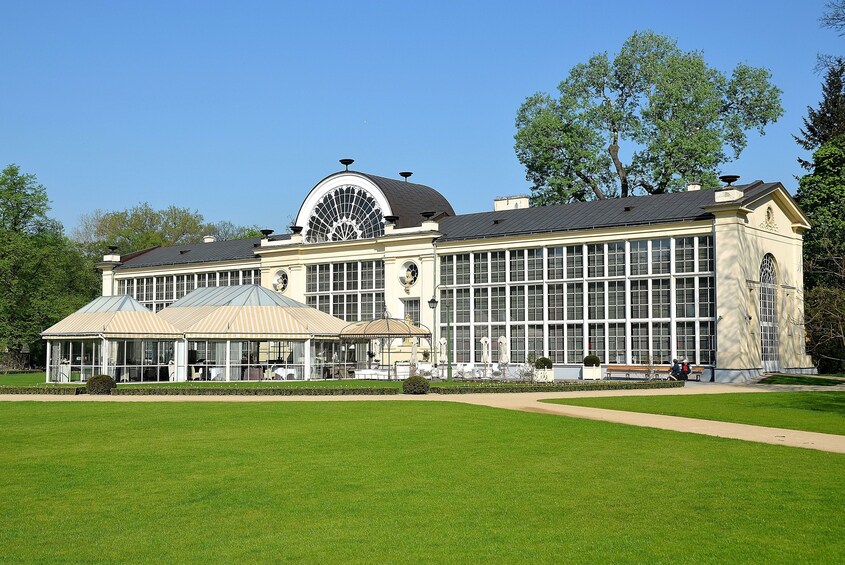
[(142, 226), (828, 120), (45, 276), (651, 119), (821, 194)]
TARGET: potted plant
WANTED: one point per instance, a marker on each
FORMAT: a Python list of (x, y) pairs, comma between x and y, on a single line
[(543, 371), (592, 368)]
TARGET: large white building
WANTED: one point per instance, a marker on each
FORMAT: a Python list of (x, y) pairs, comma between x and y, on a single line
[(714, 276)]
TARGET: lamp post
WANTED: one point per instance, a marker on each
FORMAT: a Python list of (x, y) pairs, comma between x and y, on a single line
[(433, 305)]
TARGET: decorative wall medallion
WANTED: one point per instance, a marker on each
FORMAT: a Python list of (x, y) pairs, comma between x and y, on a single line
[(769, 223), (280, 281), (410, 274)]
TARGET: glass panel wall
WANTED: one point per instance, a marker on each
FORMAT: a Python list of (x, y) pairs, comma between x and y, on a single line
[(629, 301), (156, 293), (74, 360), (137, 360)]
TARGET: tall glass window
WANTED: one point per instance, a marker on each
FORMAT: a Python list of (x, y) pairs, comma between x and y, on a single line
[(616, 259), (595, 304), (575, 301), (574, 262), (479, 267), (517, 265), (517, 303), (497, 267), (555, 263), (639, 258), (685, 255), (595, 260), (660, 256)]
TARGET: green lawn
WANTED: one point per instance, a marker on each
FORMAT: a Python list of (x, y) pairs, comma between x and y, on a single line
[(398, 482), (810, 411), (800, 380), (23, 379)]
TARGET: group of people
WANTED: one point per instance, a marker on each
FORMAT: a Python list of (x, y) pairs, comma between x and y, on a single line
[(680, 370)]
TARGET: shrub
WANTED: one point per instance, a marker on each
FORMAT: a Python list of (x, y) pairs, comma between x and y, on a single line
[(415, 385), (543, 363), (250, 391), (555, 387), (42, 389), (592, 361), (100, 384)]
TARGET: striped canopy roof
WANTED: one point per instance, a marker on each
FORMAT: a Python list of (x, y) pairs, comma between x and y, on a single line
[(112, 316), (383, 327), (247, 312)]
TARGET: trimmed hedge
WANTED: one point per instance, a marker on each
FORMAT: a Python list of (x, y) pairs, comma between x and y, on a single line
[(554, 387), (43, 389), (415, 385), (100, 384), (249, 391)]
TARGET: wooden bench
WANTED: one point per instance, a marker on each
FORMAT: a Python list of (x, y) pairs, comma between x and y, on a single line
[(636, 372), (644, 372)]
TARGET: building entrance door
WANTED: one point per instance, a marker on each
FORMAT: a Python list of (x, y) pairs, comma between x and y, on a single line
[(768, 315)]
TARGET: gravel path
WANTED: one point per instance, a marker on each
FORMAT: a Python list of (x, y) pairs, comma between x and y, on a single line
[(530, 402)]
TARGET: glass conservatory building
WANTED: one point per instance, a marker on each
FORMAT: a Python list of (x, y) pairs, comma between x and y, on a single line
[(713, 276)]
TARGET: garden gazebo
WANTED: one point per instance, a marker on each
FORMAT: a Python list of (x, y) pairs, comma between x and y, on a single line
[(387, 329)]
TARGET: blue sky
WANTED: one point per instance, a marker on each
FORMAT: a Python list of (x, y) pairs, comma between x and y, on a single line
[(238, 109)]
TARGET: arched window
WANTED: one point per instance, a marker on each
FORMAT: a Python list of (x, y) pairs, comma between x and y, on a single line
[(768, 313), (345, 213)]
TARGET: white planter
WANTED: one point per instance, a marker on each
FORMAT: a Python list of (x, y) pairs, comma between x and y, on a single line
[(544, 375), (591, 373)]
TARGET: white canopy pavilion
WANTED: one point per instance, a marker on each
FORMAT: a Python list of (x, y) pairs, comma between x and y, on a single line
[(248, 332), (113, 335)]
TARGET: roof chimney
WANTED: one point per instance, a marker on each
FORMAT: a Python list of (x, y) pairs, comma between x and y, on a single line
[(347, 162), (405, 175), (693, 186), (511, 202), (209, 239)]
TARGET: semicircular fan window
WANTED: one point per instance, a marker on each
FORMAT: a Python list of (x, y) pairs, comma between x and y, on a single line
[(347, 212)]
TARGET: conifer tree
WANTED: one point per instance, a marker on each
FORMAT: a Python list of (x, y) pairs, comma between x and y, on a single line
[(827, 121)]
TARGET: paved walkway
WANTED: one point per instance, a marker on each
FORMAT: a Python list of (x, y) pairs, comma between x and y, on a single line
[(530, 402)]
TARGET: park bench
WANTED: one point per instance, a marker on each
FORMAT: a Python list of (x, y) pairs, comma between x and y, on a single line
[(636, 372), (660, 372)]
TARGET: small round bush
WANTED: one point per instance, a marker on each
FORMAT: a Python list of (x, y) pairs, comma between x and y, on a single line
[(100, 384), (592, 361), (543, 363), (415, 385)]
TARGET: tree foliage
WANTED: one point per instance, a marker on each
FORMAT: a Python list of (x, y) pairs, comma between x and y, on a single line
[(834, 17), (141, 227), (821, 194), (45, 276), (828, 121), (678, 118)]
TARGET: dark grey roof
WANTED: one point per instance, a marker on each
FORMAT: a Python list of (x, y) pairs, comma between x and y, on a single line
[(193, 253), (409, 199), (613, 212)]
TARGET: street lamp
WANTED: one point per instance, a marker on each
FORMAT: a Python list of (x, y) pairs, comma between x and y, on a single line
[(433, 305)]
